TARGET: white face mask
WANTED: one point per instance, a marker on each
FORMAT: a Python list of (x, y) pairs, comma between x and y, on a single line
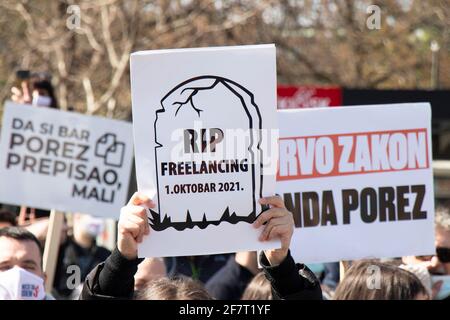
[(20, 284), (41, 101)]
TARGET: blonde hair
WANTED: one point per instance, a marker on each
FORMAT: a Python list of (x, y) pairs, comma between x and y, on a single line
[(173, 289)]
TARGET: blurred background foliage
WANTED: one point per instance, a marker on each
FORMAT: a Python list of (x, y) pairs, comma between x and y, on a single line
[(86, 44)]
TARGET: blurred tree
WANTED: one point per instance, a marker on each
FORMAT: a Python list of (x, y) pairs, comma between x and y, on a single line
[(86, 44)]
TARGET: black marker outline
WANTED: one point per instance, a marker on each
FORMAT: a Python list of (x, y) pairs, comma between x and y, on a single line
[(155, 220)]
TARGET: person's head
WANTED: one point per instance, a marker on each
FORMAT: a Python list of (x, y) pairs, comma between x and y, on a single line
[(149, 270), (374, 280), (86, 228), (42, 91), (173, 289), (19, 247), (7, 219), (258, 289), (440, 262)]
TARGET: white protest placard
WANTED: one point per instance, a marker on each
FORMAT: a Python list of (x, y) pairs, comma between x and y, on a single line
[(204, 122), (358, 181), (52, 159)]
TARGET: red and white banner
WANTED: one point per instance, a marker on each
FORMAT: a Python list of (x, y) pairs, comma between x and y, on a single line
[(292, 97), (358, 181)]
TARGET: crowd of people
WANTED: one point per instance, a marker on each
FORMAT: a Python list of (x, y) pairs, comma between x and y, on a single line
[(273, 274), (120, 274)]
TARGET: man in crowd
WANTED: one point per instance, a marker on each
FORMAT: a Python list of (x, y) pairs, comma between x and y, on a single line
[(80, 249), (439, 263), (21, 273)]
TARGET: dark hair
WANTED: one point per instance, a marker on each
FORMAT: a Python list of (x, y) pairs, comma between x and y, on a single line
[(394, 283), (173, 289), (258, 289), (20, 234), (42, 81), (8, 216)]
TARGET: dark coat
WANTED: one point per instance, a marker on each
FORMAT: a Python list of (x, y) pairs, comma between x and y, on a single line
[(230, 281)]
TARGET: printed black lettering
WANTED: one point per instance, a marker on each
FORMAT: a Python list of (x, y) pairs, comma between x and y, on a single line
[(328, 209), (368, 198), (12, 160), (29, 163), (52, 147), (349, 203), (82, 149), (16, 140), (294, 207), (386, 197), (311, 216), (417, 212), (402, 203), (190, 141)]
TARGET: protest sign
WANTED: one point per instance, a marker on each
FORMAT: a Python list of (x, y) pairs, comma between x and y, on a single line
[(203, 124), (358, 181), (52, 159)]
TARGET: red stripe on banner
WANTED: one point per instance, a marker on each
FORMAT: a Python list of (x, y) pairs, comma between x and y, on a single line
[(352, 153)]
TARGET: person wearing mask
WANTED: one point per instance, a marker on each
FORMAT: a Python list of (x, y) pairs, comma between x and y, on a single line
[(35, 89), (114, 279), (21, 273), (81, 250), (439, 263)]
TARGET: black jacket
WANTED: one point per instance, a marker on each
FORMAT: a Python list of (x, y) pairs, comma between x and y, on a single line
[(114, 279)]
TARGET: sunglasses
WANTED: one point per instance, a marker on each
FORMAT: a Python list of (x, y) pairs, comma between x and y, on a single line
[(443, 254)]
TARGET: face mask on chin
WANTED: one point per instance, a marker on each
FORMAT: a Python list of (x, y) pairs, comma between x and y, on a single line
[(20, 284)]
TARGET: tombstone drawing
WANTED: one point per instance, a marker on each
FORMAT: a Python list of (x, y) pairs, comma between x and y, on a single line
[(195, 166)]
